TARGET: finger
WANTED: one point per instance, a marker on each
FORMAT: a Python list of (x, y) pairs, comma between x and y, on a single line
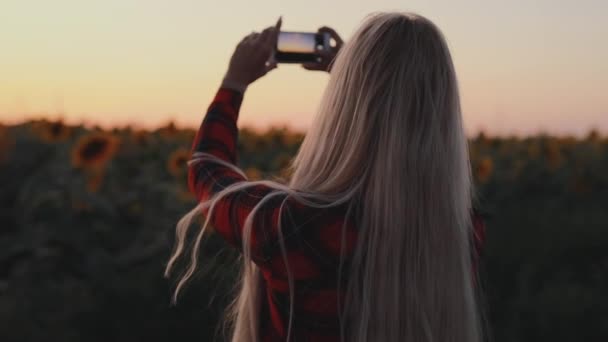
[(326, 53), (271, 65), (267, 36), (272, 59), (324, 57), (310, 66), (257, 39), (267, 32), (264, 71), (249, 36), (273, 33), (276, 31), (333, 34)]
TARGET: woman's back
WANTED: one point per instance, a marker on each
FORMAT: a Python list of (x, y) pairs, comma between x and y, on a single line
[(319, 262), (372, 237)]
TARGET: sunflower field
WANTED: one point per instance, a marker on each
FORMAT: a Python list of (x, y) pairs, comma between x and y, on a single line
[(88, 216)]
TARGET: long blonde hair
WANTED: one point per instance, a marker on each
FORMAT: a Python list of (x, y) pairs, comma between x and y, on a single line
[(388, 140)]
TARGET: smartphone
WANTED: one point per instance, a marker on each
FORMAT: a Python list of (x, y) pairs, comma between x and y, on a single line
[(300, 47)]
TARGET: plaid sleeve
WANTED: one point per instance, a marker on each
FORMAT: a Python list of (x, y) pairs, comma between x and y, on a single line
[(218, 135)]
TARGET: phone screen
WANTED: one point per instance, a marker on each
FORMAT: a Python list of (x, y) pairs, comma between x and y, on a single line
[(298, 47), (296, 42)]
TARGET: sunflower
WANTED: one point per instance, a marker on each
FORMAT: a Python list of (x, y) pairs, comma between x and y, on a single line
[(79, 205), (277, 136), (482, 139), (508, 146), (517, 167), (135, 208), (140, 137), (533, 149), (187, 134), (580, 186), (177, 164), (553, 154), (253, 173), (568, 141), (281, 161), (168, 131), (247, 137), (36, 125), (593, 136), (95, 180), (484, 169), (286, 173), (294, 138), (53, 131), (185, 195), (93, 151)]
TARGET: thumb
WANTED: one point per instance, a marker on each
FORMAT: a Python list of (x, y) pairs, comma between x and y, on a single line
[(271, 65)]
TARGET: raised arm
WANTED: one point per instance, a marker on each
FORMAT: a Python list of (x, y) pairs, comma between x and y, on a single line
[(217, 136)]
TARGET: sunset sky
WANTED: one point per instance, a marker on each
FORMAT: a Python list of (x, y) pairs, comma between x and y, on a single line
[(523, 66)]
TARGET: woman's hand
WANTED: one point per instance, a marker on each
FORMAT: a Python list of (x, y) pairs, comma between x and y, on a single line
[(251, 58), (327, 57)]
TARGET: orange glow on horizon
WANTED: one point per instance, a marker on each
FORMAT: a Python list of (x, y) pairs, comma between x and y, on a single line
[(145, 63)]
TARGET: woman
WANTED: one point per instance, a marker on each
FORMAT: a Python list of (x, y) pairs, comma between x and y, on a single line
[(372, 237)]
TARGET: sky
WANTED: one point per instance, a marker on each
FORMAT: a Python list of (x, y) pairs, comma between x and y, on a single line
[(524, 67)]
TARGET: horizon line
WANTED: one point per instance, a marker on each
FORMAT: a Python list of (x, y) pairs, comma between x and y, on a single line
[(89, 124)]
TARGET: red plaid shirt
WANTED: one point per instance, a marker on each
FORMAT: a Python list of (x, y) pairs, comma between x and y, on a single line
[(312, 236)]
